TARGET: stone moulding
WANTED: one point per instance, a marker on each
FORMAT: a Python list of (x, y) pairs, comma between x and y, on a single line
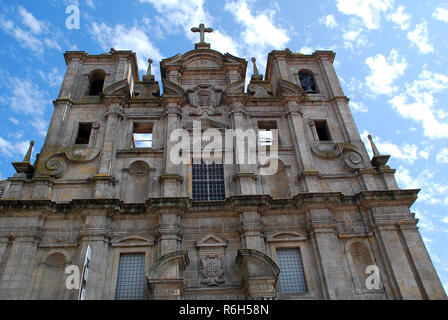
[(302, 200)]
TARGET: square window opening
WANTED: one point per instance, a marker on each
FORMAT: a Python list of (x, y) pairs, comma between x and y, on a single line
[(322, 130), (84, 131), (142, 135)]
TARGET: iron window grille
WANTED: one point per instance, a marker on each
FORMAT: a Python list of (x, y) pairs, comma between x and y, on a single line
[(208, 182), (131, 277), (292, 277)]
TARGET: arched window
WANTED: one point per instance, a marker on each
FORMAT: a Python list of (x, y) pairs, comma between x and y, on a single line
[(96, 82), (307, 81)]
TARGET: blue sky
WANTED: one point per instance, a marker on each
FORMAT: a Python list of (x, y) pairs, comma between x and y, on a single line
[(389, 58)]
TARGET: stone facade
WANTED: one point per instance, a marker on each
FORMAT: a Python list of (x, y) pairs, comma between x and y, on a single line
[(342, 210)]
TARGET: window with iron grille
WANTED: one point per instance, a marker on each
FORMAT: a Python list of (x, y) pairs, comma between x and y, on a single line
[(131, 277), (208, 182), (292, 277)]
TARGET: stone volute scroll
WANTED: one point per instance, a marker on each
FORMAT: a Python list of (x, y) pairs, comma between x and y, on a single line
[(211, 257)]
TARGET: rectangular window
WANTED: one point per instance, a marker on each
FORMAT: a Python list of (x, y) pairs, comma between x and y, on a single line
[(322, 130), (208, 182), (292, 278), (142, 135), (84, 131), (131, 277), (264, 132)]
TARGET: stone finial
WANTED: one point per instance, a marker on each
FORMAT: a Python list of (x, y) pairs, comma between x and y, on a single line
[(254, 62), (255, 75), (374, 148), (148, 72), (378, 161), (202, 31), (148, 75), (28, 153)]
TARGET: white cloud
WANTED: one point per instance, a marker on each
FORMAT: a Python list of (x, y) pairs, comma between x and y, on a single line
[(384, 71), (441, 14), (306, 50), (329, 21), (419, 37), (403, 20), (14, 120), (26, 97), (406, 152), (31, 22), (10, 149), (369, 11), (354, 38), (124, 38), (432, 191), (421, 107), (260, 30), (53, 78), (36, 35), (358, 107), (90, 4), (442, 156)]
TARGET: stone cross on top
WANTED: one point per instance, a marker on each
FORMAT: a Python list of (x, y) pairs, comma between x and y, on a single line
[(202, 30)]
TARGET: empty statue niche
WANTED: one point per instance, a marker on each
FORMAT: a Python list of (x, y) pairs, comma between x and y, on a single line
[(142, 135), (136, 187), (265, 134), (97, 78), (84, 133), (49, 278), (307, 81), (322, 130), (278, 183)]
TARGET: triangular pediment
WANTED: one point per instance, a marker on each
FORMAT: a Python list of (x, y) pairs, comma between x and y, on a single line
[(211, 241), (207, 124)]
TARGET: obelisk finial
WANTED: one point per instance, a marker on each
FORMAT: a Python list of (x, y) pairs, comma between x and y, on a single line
[(255, 75), (254, 62), (378, 161), (374, 148), (148, 72), (28, 154), (149, 76)]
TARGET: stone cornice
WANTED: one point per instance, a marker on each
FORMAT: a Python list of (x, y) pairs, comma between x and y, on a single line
[(185, 204)]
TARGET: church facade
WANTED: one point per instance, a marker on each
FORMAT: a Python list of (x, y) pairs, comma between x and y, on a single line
[(328, 223)]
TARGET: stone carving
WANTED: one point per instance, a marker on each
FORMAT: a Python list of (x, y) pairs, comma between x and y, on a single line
[(349, 153), (205, 98), (353, 228), (353, 159), (56, 165), (139, 168), (212, 269)]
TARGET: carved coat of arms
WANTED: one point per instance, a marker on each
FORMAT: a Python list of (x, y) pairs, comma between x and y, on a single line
[(212, 269), (204, 98)]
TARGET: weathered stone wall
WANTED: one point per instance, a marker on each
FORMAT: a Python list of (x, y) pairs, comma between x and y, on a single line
[(343, 211)]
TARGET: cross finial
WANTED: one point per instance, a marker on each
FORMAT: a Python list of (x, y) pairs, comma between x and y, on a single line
[(202, 30)]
